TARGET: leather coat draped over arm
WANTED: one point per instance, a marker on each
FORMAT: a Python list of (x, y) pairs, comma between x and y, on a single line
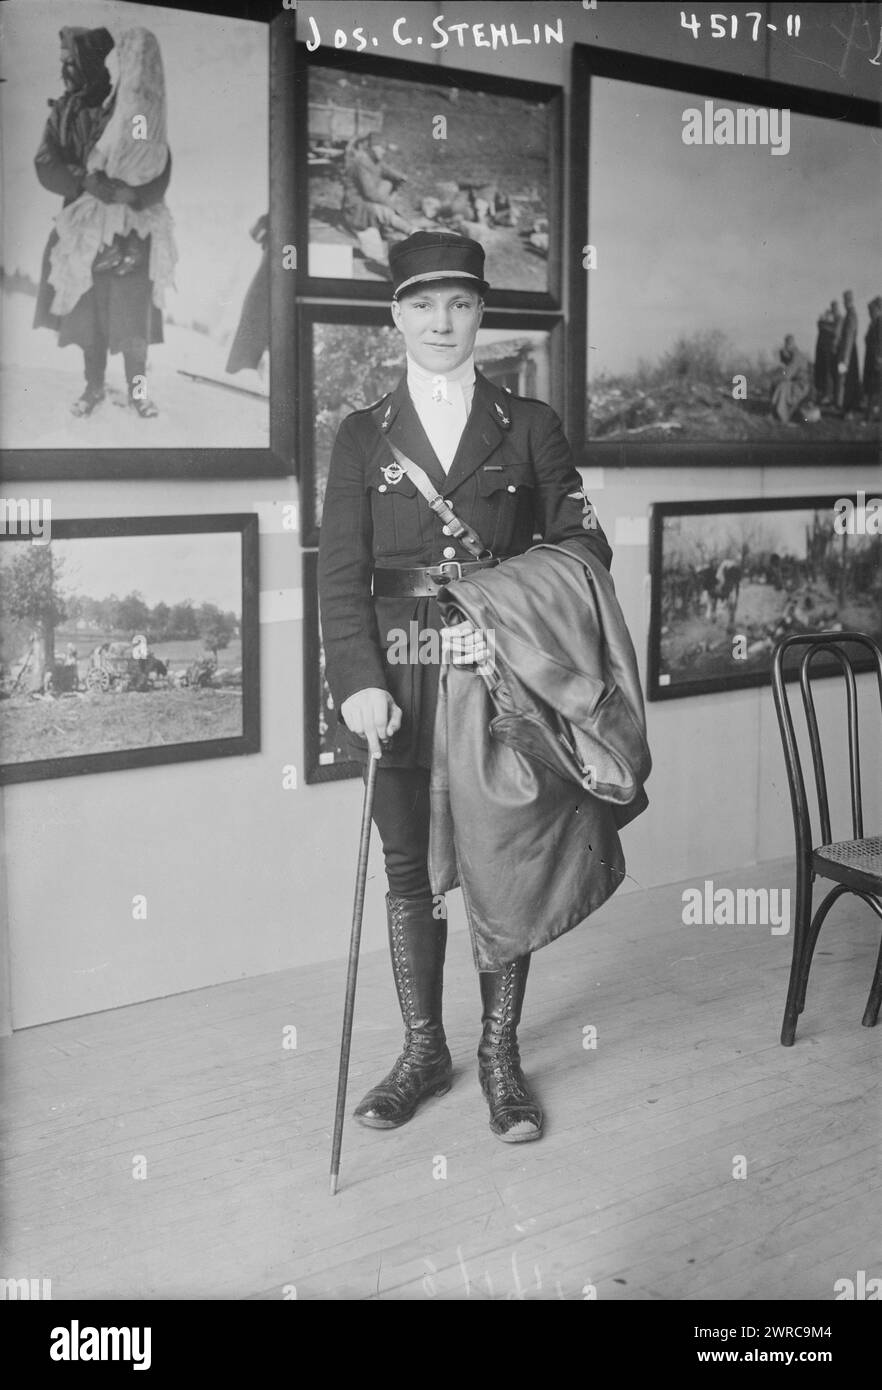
[(540, 761)]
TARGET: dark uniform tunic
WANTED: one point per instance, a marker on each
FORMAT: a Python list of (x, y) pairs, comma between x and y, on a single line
[(513, 479)]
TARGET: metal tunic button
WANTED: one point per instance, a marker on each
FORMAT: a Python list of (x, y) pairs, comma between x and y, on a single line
[(382, 487), (511, 488), (445, 530), (449, 552)]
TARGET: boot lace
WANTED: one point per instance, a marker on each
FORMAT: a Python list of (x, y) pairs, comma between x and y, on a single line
[(504, 1067)]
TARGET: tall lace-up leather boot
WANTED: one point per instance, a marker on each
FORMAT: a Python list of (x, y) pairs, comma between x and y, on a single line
[(515, 1116), (417, 942)]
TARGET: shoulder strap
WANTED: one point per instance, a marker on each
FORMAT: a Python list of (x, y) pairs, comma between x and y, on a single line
[(417, 475), (466, 535)]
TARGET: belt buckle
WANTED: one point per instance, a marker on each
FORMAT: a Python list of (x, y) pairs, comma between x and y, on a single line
[(447, 565)]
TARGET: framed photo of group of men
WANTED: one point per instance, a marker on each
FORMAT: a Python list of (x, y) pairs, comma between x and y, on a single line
[(757, 342), (731, 578)]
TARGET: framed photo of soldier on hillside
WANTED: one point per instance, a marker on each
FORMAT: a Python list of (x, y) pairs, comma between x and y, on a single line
[(145, 306), (724, 313), (127, 642), (393, 147), (730, 579), (350, 356)]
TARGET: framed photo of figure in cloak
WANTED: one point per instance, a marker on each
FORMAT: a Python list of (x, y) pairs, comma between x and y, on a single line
[(145, 302)]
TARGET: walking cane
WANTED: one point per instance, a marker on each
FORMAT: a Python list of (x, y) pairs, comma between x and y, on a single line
[(352, 974)]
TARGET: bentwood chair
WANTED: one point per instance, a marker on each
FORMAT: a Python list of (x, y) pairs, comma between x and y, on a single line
[(855, 865)]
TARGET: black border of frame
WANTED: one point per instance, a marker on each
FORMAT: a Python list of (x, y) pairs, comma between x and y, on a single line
[(348, 60), (377, 316), (588, 62), (279, 460), (244, 524), (315, 772), (715, 507)]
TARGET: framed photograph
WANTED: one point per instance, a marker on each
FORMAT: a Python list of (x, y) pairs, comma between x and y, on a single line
[(724, 313), (393, 147), (326, 750), (731, 578), (127, 642), (351, 356), (145, 304)]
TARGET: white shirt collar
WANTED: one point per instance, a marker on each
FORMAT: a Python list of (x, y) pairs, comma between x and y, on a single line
[(442, 401), (420, 381)]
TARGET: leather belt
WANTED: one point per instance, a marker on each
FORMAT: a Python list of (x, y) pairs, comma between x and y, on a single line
[(424, 582)]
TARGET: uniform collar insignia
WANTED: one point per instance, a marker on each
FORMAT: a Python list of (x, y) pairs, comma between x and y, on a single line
[(384, 412)]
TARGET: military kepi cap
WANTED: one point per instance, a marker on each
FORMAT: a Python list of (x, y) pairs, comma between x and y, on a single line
[(436, 256)]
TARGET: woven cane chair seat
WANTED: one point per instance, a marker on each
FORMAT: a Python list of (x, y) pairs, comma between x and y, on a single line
[(863, 855)]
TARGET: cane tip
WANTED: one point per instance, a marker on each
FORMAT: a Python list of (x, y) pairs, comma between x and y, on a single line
[(333, 1184)]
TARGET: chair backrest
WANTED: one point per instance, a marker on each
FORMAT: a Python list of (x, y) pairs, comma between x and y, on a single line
[(834, 644)]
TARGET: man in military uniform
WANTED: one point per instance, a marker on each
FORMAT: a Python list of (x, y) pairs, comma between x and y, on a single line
[(504, 466)]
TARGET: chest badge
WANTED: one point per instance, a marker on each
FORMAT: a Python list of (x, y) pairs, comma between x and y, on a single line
[(393, 472)]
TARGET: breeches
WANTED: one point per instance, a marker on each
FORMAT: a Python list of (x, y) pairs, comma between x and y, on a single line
[(401, 815)]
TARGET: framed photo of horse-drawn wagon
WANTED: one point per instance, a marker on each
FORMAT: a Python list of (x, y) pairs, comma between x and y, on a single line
[(730, 579), (127, 642), (147, 275), (392, 147)]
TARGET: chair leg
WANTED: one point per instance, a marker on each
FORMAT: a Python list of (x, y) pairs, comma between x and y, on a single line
[(810, 936), (871, 1012), (801, 919), (811, 940)]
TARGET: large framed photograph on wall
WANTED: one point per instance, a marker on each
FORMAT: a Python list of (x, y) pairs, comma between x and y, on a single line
[(145, 303), (730, 579), (728, 308), (326, 750), (392, 147), (127, 642), (351, 356)]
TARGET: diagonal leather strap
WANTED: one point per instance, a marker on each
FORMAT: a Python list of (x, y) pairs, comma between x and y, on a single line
[(466, 535)]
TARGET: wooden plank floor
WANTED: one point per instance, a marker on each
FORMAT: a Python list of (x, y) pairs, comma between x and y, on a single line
[(631, 1191)]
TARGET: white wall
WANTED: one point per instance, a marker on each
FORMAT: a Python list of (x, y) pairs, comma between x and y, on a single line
[(242, 877)]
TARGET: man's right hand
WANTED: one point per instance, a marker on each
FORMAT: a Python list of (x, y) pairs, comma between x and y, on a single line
[(373, 714)]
